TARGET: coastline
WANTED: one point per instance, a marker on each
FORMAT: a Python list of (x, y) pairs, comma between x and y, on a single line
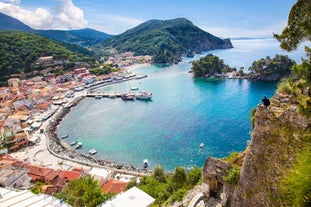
[(60, 150)]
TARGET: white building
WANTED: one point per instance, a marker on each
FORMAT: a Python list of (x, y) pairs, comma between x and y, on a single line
[(133, 197)]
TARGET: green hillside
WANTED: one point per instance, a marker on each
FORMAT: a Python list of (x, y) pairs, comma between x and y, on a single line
[(166, 40), (18, 50)]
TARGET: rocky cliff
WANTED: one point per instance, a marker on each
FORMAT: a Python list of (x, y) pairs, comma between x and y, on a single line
[(278, 136)]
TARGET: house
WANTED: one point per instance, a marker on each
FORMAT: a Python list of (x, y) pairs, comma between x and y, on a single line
[(133, 197), (114, 186)]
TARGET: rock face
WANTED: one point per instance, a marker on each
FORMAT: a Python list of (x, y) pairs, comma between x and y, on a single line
[(270, 78), (213, 185), (276, 139)]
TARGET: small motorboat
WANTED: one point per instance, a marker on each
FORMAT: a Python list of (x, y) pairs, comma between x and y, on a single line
[(201, 145), (79, 145), (145, 163), (73, 143), (93, 151), (64, 136)]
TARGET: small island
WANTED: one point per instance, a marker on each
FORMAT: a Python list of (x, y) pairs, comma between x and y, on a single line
[(265, 69)]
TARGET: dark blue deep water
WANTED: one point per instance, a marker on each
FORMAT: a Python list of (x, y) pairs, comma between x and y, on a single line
[(183, 113)]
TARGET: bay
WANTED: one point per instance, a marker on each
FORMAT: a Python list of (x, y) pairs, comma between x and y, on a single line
[(184, 112)]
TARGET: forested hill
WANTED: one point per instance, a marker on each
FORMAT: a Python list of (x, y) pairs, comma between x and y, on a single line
[(166, 40), (82, 37), (18, 50)]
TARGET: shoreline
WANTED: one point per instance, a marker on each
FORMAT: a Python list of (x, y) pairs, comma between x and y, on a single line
[(59, 150)]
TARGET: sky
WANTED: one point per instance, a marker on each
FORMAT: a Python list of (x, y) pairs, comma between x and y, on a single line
[(223, 18)]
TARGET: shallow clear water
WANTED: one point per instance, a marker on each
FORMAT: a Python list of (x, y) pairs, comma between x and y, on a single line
[(183, 113)]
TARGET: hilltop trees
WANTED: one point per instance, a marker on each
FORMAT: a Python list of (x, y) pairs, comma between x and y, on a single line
[(280, 65), (208, 65)]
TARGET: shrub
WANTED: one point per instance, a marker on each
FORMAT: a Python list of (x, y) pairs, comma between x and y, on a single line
[(233, 176)]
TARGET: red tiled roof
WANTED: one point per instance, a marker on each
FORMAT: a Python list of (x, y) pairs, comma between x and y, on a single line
[(37, 172), (70, 175), (114, 186)]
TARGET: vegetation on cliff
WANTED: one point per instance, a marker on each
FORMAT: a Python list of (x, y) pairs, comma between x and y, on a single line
[(165, 40), (271, 69), (276, 171), (168, 188)]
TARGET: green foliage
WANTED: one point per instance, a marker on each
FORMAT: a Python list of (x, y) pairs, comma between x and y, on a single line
[(231, 157), (233, 176), (159, 175), (19, 50), (296, 185), (208, 65), (165, 40), (280, 65), (166, 187), (37, 188), (108, 68), (84, 191)]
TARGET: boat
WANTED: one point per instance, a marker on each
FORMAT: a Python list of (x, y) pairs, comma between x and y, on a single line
[(134, 88), (79, 145), (73, 143), (64, 136), (201, 145), (128, 96), (144, 95), (145, 163), (93, 151)]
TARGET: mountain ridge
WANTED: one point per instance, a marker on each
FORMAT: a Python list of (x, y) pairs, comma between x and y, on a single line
[(82, 37), (166, 40)]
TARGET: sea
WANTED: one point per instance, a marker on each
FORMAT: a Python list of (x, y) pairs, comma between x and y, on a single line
[(184, 113)]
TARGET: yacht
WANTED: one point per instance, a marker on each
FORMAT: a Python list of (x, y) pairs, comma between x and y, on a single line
[(144, 95), (145, 163)]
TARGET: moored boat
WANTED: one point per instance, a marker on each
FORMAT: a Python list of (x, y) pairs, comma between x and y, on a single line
[(73, 143), (64, 136), (93, 151), (144, 95), (127, 96), (79, 145)]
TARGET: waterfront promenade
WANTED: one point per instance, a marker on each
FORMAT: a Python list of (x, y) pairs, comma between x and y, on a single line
[(50, 151)]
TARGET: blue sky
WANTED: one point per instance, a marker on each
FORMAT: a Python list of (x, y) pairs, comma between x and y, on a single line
[(223, 18)]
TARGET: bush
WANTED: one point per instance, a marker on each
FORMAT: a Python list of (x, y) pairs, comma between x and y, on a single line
[(233, 176)]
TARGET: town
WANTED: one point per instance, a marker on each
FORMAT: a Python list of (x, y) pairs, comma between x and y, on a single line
[(30, 151)]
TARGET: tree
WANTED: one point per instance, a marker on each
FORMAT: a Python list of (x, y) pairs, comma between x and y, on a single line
[(298, 30), (159, 174), (179, 178), (84, 191)]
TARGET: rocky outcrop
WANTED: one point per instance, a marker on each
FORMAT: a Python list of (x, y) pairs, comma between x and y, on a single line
[(213, 184), (276, 139), (269, 78)]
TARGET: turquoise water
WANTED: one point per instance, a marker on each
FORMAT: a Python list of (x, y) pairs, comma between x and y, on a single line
[(183, 113)]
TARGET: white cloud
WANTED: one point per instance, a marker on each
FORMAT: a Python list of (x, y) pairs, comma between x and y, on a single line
[(11, 1), (65, 16)]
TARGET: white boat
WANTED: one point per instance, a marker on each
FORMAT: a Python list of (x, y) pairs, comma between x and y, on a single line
[(64, 136), (93, 151), (73, 143), (201, 145), (144, 95), (79, 145)]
